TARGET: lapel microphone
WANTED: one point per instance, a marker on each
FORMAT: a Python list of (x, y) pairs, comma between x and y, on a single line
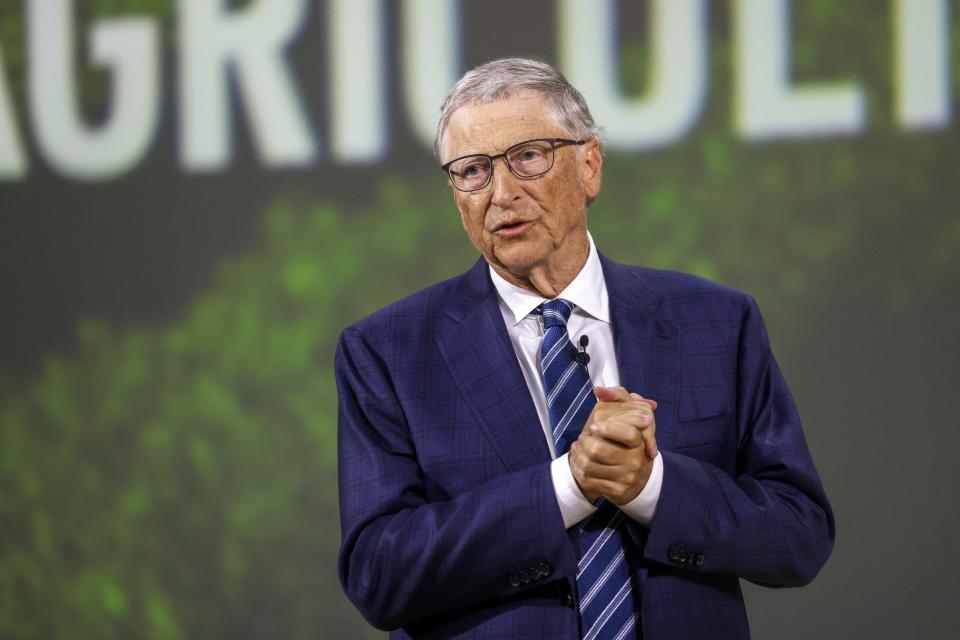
[(581, 356)]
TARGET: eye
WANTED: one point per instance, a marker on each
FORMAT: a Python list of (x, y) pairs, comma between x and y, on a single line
[(529, 154), (530, 159), (473, 170)]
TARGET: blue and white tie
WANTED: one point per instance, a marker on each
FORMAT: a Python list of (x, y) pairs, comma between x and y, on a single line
[(607, 604)]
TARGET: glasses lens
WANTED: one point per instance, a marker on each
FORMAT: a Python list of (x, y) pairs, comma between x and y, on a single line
[(470, 173), (530, 159)]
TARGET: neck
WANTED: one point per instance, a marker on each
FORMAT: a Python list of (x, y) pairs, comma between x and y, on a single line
[(549, 279)]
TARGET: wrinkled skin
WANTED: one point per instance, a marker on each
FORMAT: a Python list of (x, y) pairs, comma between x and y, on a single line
[(533, 232)]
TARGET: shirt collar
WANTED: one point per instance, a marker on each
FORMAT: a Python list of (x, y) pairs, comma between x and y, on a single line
[(588, 291)]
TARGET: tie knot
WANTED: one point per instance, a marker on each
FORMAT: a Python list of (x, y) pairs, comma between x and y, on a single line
[(555, 313)]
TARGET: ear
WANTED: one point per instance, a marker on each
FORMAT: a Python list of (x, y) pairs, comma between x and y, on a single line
[(591, 165)]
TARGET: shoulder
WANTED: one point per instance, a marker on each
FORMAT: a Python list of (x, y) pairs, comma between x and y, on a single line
[(415, 317), (674, 295)]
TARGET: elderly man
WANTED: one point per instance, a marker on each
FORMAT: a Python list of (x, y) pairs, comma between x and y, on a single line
[(554, 445)]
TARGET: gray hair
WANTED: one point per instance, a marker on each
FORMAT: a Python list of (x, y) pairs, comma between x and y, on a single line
[(509, 77)]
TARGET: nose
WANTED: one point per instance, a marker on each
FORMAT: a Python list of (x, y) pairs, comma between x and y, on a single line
[(504, 185)]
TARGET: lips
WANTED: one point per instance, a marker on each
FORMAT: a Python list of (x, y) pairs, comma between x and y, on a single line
[(512, 227)]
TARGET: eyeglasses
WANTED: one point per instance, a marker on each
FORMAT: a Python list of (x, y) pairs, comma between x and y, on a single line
[(529, 159)]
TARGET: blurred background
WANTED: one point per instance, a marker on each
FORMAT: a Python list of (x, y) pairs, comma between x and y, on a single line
[(196, 197)]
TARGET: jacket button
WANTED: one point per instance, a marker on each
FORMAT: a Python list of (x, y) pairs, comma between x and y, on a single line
[(679, 555), (567, 600), (700, 560), (514, 579), (544, 569)]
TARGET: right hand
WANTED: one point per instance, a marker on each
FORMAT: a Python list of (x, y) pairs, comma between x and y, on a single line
[(614, 453)]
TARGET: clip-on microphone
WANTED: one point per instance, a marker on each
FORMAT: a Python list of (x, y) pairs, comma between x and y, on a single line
[(581, 356)]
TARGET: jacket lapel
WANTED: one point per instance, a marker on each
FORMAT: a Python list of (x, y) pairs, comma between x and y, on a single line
[(477, 351), (648, 348)]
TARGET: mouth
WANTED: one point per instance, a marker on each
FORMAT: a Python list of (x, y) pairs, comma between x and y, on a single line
[(512, 228)]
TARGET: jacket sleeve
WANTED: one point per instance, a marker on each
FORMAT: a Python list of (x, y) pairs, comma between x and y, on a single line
[(404, 554), (769, 521)]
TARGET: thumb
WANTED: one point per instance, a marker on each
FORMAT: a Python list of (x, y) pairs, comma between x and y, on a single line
[(611, 394)]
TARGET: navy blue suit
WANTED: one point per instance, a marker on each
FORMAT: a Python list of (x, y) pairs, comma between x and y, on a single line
[(450, 523)]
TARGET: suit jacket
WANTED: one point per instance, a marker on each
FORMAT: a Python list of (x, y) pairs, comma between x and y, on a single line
[(451, 527)]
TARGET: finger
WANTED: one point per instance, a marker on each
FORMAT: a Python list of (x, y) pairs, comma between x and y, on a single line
[(602, 451), (650, 443), (580, 476), (615, 429), (588, 472), (652, 403), (591, 471), (623, 475), (621, 433), (645, 441), (627, 405), (648, 435), (637, 417), (611, 394)]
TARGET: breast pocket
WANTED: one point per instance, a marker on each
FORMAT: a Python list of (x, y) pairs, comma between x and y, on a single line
[(703, 420)]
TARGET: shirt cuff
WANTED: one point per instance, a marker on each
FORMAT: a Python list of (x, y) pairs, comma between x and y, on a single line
[(573, 506), (644, 506)]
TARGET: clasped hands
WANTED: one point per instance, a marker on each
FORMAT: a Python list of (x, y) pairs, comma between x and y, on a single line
[(613, 456)]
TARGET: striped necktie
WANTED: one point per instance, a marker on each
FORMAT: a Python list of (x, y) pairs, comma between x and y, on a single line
[(607, 603)]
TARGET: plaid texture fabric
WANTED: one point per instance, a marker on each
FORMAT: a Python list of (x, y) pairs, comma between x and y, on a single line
[(450, 526)]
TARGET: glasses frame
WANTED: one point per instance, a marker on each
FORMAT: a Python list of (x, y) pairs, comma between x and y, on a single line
[(554, 143)]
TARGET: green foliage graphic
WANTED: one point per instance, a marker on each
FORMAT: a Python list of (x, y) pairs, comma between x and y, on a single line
[(180, 481)]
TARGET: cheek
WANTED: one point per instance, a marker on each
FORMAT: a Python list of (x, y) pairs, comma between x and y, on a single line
[(472, 219), (572, 199), (565, 202)]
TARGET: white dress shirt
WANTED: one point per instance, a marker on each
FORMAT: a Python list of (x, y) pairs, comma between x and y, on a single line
[(590, 317)]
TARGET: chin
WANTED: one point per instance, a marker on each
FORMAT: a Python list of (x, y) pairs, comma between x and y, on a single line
[(518, 260)]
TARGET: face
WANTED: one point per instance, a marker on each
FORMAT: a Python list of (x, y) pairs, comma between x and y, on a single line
[(520, 225)]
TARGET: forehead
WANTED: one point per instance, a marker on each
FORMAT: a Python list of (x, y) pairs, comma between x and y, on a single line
[(494, 126)]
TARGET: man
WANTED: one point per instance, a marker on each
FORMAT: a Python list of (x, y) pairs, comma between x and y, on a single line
[(488, 489)]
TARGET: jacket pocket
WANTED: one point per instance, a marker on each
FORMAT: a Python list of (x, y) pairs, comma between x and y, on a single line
[(705, 421)]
